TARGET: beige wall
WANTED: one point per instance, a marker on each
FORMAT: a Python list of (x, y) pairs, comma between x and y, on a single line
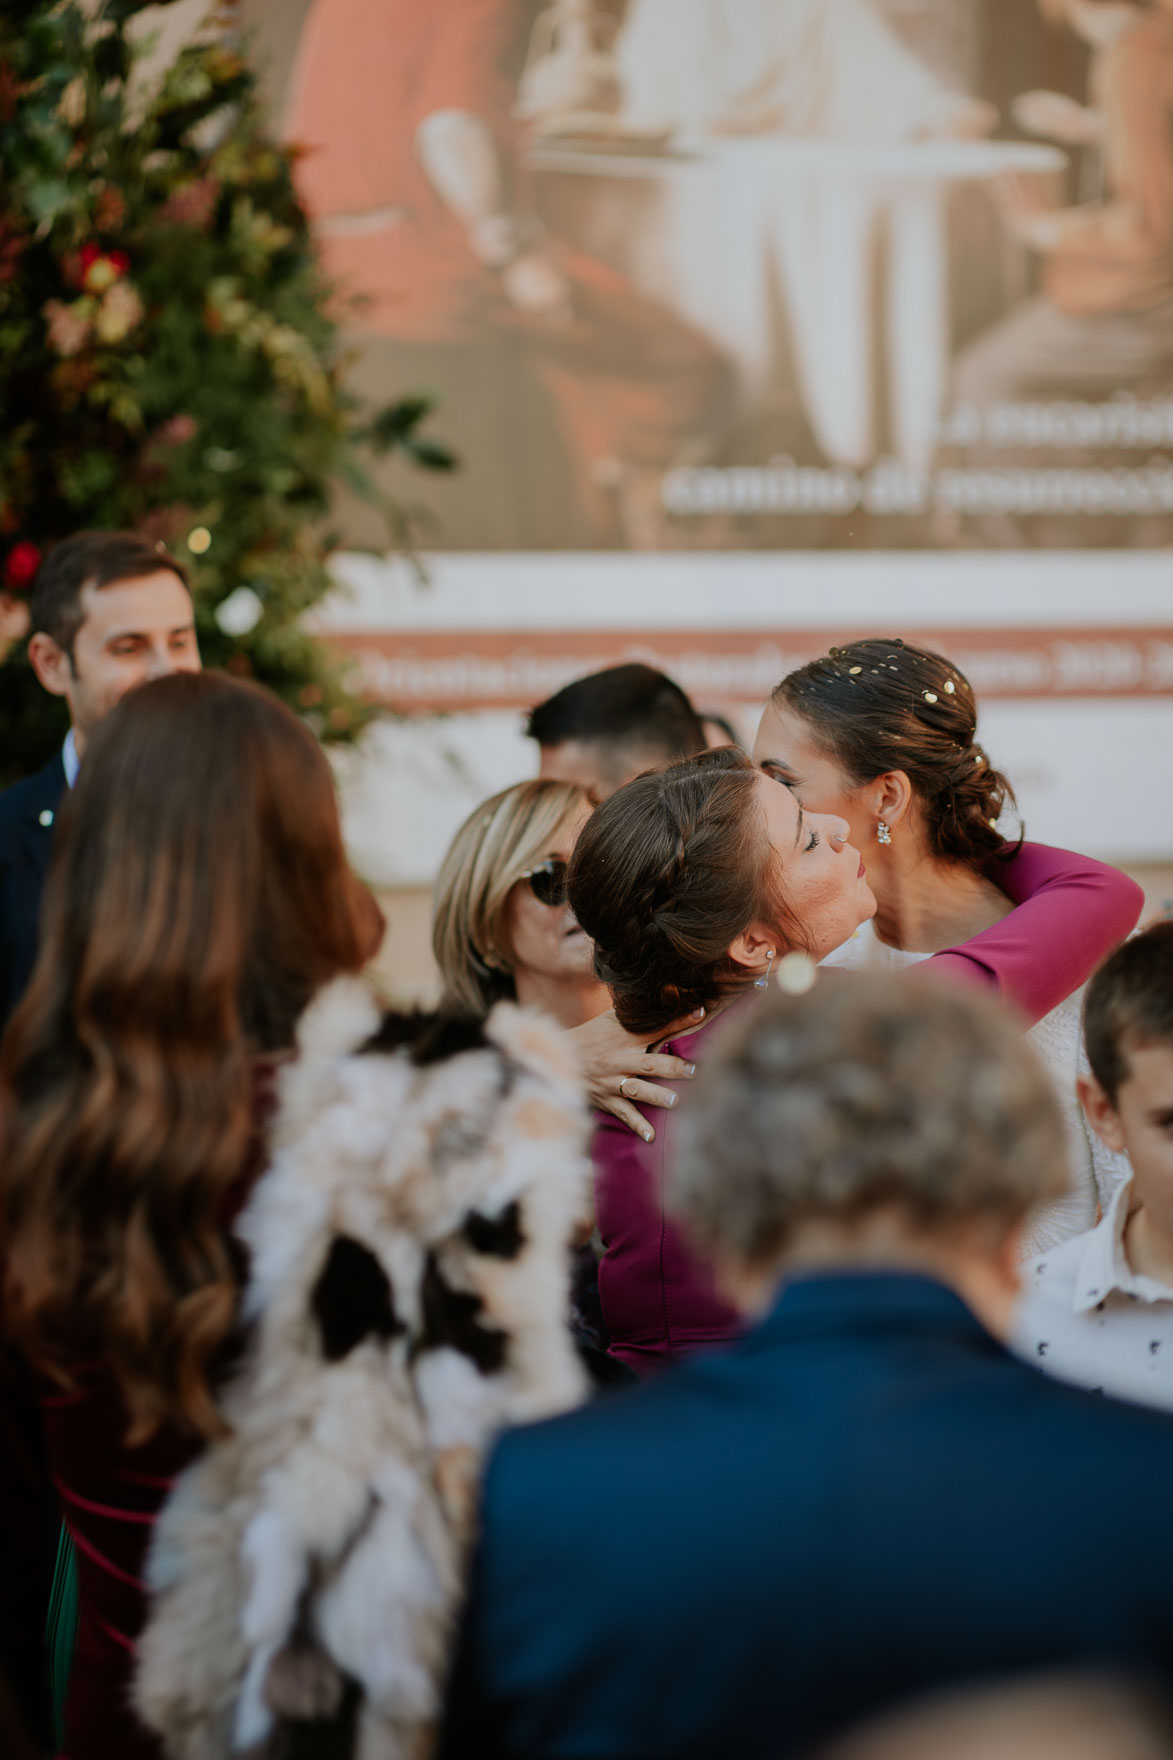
[(406, 966)]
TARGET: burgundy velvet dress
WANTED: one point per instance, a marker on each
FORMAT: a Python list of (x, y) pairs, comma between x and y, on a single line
[(659, 1298), (110, 1495)]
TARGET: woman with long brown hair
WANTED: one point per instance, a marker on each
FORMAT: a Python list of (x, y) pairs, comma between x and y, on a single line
[(695, 883), (199, 897), (884, 735)]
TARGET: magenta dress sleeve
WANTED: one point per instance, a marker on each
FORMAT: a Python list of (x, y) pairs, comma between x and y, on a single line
[(1070, 913)]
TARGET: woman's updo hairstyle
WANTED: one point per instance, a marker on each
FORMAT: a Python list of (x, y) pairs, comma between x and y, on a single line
[(666, 874), (881, 705)]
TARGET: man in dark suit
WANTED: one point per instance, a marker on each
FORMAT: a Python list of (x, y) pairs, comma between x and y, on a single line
[(868, 1498), (109, 610)]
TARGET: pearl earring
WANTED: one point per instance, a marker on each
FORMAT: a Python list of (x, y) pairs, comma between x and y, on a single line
[(760, 983), (883, 834)]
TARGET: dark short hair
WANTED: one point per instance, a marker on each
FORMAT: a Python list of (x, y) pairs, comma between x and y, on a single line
[(631, 708), (91, 559), (882, 704), (1129, 1005)]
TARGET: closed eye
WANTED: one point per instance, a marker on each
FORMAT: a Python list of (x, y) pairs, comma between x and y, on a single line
[(815, 840), (777, 774)]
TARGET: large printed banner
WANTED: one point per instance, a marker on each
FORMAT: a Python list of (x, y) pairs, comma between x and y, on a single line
[(757, 325), (754, 274)]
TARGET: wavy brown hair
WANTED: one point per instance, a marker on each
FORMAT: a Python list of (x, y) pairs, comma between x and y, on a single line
[(666, 874), (199, 895), (882, 704)]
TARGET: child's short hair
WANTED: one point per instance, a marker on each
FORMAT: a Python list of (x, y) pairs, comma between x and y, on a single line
[(1129, 1004)]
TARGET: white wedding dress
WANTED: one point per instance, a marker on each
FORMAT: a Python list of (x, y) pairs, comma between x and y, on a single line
[(830, 68), (1096, 1173)]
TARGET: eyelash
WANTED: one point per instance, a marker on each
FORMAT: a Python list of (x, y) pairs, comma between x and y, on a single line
[(814, 842)]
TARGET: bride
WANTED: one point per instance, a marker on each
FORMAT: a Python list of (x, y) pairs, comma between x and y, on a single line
[(885, 735)]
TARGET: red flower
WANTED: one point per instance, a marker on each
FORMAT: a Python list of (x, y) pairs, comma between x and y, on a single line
[(11, 247), (20, 569), (95, 269), (177, 430), (10, 90)]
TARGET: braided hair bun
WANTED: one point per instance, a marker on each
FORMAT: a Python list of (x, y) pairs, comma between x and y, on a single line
[(882, 704), (664, 877)]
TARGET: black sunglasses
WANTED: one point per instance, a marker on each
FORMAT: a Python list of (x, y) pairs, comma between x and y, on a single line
[(547, 881)]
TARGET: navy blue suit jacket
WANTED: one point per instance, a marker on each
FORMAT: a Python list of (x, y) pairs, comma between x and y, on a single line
[(26, 838), (866, 1498)]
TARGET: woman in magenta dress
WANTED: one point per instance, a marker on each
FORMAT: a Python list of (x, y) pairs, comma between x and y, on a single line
[(199, 897), (695, 882)]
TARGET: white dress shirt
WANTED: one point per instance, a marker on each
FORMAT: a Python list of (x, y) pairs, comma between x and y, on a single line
[(1085, 1316)]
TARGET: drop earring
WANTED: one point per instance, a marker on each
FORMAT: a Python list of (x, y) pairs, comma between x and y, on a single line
[(760, 983), (883, 834)]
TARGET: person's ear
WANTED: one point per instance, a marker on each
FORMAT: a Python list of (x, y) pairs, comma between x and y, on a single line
[(51, 664), (750, 948), (890, 798), (1100, 1112)]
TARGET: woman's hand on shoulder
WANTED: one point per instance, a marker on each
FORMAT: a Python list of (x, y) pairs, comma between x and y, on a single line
[(620, 1072)]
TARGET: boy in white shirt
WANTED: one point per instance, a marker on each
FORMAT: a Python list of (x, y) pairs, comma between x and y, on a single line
[(1098, 1309)]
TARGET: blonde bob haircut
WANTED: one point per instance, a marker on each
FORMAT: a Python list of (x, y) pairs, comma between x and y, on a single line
[(491, 852)]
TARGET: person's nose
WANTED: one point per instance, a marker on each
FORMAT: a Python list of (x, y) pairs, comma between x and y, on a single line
[(837, 830), (163, 662)]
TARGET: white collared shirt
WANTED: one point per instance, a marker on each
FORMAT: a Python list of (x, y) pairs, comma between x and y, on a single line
[(70, 759), (1085, 1316)]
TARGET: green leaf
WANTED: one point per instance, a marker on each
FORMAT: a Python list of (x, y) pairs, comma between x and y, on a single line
[(48, 198), (396, 421), (431, 456), (117, 10)]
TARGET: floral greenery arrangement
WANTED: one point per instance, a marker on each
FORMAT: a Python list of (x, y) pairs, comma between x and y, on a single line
[(169, 361)]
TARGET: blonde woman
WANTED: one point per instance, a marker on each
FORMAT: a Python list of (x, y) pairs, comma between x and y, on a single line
[(501, 927), (502, 924)]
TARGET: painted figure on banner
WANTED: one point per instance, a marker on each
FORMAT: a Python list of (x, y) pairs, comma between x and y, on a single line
[(829, 68), (1102, 321), (414, 171)]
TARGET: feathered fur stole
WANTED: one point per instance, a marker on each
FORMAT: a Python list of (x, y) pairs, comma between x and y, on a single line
[(407, 1298)]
